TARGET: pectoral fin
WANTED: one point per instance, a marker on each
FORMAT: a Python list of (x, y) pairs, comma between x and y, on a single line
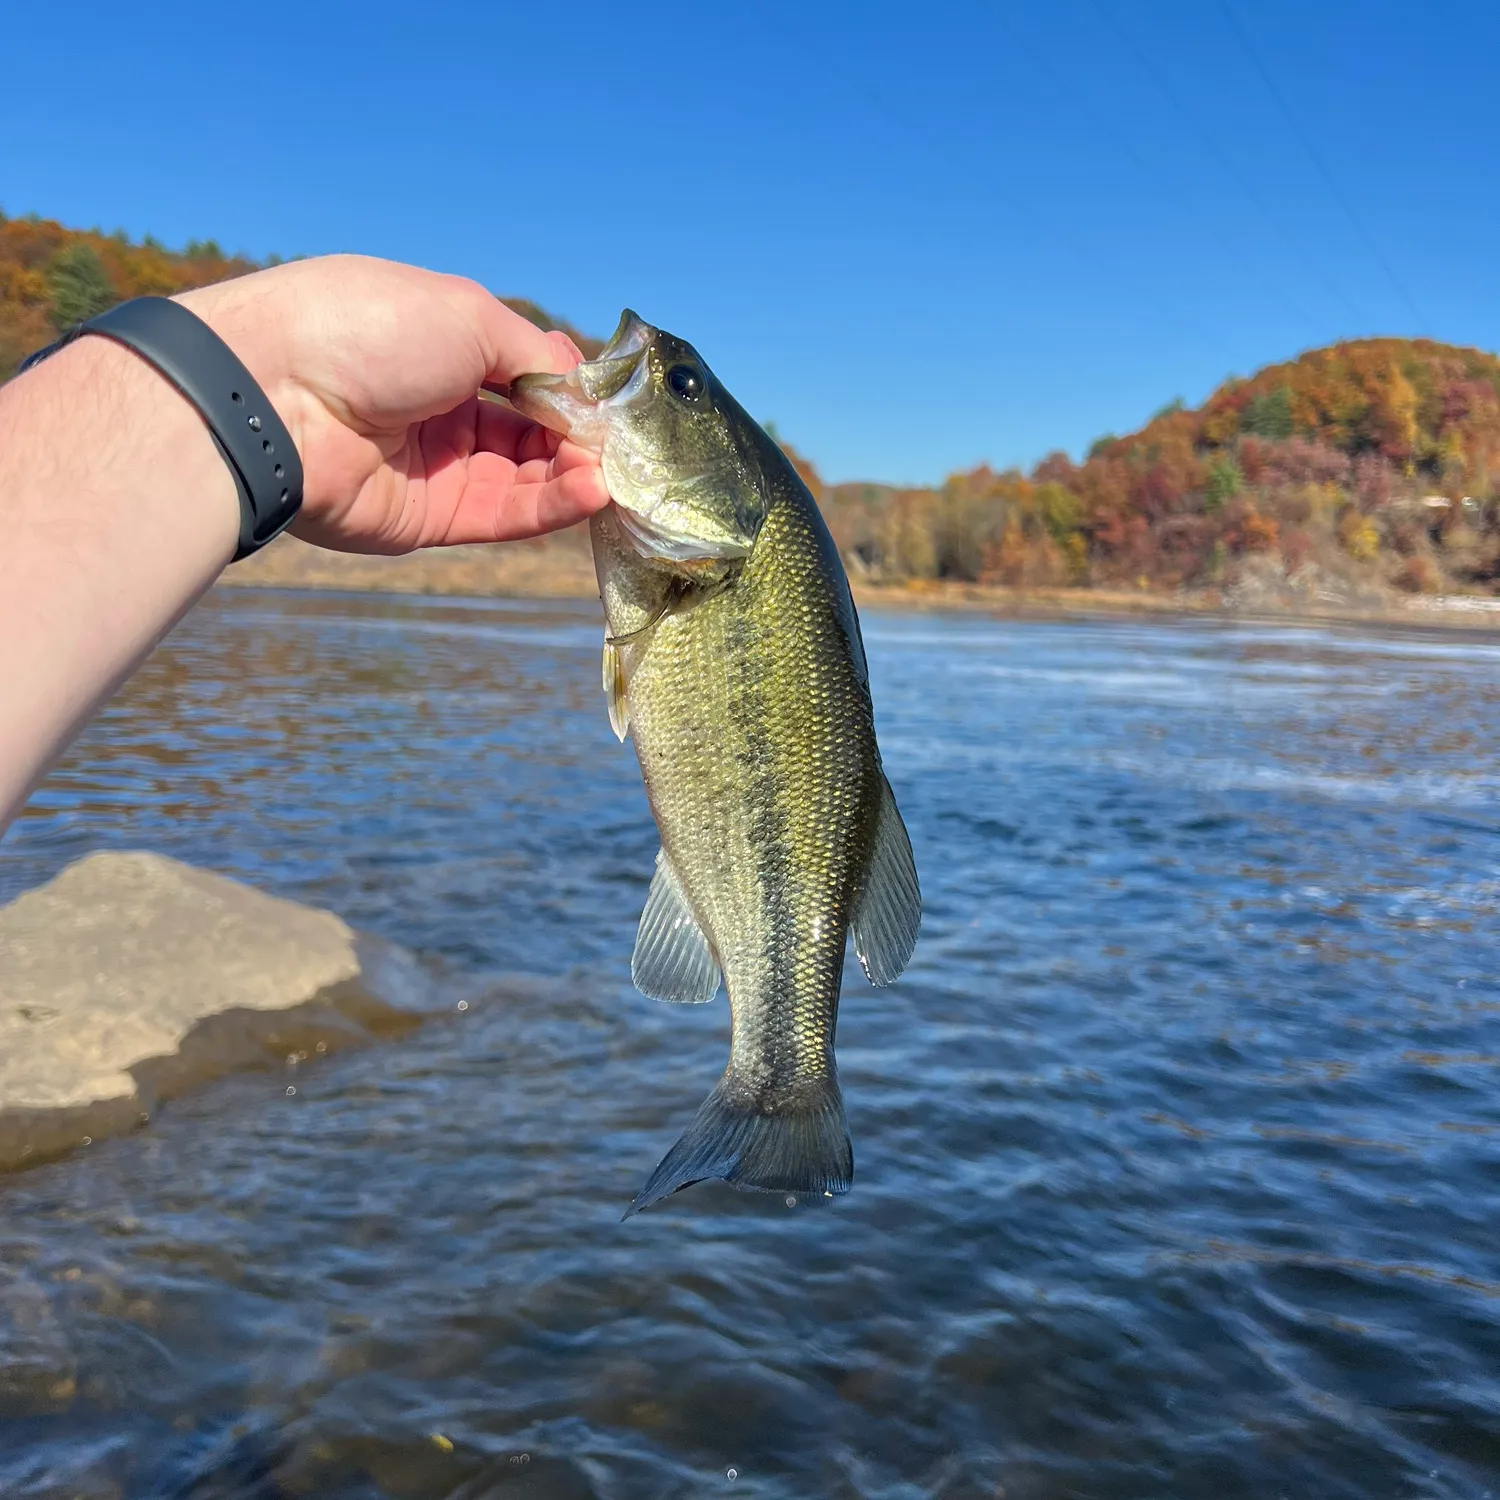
[(672, 959), (890, 901), (614, 691)]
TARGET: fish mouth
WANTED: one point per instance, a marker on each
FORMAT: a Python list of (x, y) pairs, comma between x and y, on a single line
[(575, 403), (617, 374), (633, 335), (580, 403)]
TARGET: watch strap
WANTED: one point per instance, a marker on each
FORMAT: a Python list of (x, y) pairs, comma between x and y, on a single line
[(244, 425)]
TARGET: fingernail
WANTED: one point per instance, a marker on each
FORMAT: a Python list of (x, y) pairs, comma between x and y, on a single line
[(569, 352)]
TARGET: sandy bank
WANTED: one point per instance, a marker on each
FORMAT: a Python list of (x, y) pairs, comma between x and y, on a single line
[(561, 568), (130, 978)]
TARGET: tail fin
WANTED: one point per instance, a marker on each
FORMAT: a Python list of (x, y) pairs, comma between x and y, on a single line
[(798, 1144)]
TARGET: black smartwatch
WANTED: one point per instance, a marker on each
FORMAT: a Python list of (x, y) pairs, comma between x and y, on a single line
[(238, 414)]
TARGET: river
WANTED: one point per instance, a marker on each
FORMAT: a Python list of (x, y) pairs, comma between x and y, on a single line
[(1178, 1146)]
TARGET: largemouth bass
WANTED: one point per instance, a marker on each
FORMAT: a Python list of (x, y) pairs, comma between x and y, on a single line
[(733, 660)]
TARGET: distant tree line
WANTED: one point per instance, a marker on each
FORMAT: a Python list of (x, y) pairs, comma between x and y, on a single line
[(52, 277), (1375, 459)]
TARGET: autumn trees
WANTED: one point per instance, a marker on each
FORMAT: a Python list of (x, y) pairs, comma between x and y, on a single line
[(1377, 457)]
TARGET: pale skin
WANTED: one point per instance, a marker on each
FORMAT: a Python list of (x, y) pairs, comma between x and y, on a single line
[(117, 511)]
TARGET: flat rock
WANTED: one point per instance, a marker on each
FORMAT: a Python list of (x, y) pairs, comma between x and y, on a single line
[(130, 977)]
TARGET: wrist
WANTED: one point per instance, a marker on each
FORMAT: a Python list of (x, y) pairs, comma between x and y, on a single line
[(244, 314)]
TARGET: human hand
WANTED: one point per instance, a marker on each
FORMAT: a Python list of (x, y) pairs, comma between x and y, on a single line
[(375, 367)]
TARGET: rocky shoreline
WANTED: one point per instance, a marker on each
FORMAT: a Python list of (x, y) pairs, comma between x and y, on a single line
[(131, 978)]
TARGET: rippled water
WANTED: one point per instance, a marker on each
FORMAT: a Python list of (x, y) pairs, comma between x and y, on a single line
[(1178, 1148)]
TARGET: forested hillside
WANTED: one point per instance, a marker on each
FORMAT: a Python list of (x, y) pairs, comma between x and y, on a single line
[(52, 277), (1373, 463), (1377, 457)]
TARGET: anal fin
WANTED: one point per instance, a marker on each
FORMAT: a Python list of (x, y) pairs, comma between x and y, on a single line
[(672, 959), (889, 910)]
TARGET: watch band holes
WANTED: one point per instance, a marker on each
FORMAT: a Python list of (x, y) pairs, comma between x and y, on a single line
[(238, 399), (280, 472), (283, 497), (269, 446)]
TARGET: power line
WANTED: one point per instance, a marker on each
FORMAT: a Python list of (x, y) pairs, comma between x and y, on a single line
[(932, 139), (1231, 248), (1228, 166), (1317, 160)]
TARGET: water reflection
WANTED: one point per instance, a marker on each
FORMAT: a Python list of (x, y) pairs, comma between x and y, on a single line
[(1176, 1148)]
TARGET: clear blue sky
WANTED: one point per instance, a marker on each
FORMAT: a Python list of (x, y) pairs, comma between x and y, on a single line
[(916, 237)]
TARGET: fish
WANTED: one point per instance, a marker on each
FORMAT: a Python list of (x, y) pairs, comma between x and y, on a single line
[(733, 661)]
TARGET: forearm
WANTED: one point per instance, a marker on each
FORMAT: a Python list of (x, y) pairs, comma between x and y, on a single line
[(117, 510), (116, 513)]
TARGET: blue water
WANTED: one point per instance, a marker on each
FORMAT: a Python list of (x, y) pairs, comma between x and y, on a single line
[(1178, 1147)]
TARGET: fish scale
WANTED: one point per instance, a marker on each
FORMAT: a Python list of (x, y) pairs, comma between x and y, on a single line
[(733, 660), (756, 740)]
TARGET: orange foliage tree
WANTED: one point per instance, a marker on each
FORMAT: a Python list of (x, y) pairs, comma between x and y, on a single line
[(1381, 455)]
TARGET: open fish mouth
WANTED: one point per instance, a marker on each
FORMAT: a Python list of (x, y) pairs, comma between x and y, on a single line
[(617, 375), (632, 336), (681, 486), (578, 402)]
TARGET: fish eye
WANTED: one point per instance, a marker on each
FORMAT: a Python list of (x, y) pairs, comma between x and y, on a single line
[(685, 382)]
